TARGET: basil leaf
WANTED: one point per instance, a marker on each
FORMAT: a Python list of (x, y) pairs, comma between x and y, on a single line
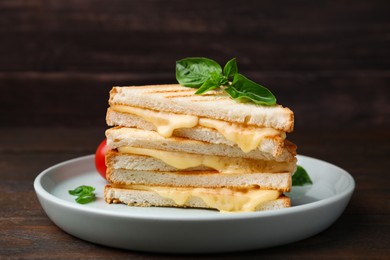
[(206, 86), (206, 74), (85, 194), (82, 190), (215, 81), (86, 198), (301, 177), (230, 69), (244, 89), (193, 72), (77, 191)]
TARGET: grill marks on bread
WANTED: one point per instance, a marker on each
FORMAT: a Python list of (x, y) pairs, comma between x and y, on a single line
[(188, 94)]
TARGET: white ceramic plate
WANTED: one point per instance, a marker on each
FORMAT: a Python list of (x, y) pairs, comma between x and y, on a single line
[(174, 230)]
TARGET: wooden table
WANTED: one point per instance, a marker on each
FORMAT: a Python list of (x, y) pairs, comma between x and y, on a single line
[(362, 232)]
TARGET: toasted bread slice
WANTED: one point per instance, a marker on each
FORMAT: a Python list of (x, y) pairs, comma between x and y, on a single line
[(125, 136), (116, 160), (213, 104), (205, 179), (205, 134), (145, 198), (145, 162)]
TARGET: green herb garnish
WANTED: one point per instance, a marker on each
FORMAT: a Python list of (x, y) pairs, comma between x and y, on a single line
[(85, 194), (301, 177), (205, 74)]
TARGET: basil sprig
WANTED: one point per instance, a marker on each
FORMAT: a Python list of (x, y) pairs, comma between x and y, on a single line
[(206, 74), (301, 177), (85, 194)]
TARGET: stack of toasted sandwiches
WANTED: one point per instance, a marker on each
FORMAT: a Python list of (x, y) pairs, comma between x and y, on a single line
[(172, 148)]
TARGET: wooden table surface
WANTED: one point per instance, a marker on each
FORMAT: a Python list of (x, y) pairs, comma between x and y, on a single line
[(329, 61)]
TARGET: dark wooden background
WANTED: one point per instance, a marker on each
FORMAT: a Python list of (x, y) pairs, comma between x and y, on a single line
[(329, 61)]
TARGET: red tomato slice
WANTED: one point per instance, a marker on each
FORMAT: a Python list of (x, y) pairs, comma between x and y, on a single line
[(100, 161)]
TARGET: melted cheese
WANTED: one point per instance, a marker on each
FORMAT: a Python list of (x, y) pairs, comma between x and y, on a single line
[(182, 160), (247, 138), (223, 199), (165, 123)]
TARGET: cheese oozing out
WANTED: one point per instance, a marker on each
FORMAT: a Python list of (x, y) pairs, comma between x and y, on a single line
[(247, 138), (228, 165), (165, 123), (223, 199)]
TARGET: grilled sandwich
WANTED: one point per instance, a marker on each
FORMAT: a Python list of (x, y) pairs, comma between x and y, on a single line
[(170, 147)]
